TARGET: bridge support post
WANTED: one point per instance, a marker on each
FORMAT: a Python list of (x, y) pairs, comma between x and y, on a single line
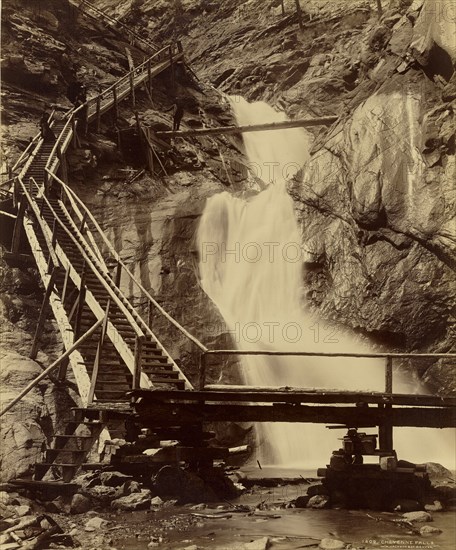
[(96, 364), (202, 371), (16, 240), (385, 430), (43, 313), (138, 360)]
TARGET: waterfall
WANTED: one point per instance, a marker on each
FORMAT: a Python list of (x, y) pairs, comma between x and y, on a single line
[(251, 267)]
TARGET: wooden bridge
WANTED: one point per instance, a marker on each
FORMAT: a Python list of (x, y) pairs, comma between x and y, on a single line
[(122, 370)]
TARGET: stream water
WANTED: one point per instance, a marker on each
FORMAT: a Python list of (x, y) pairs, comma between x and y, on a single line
[(251, 267)]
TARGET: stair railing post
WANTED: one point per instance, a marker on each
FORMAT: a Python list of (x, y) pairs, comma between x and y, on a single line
[(138, 360), (16, 239), (16, 194), (53, 243), (43, 313), (96, 364), (132, 89), (81, 300), (118, 274), (74, 136), (202, 371)]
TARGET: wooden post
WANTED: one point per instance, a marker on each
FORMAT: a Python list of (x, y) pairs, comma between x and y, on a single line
[(43, 313), (96, 364), (116, 105), (53, 243), (299, 13), (80, 302), (132, 90), (65, 284), (83, 222), (202, 371), (63, 370), (118, 275), (389, 375), (16, 240), (283, 7), (45, 184), (74, 136), (63, 165), (379, 8), (138, 360), (98, 113), (385, 430), (16, 194)]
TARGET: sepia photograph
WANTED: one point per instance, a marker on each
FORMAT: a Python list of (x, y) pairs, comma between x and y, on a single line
[(227, 274)]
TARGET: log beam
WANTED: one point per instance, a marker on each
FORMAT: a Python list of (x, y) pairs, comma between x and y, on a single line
[(189, 413), (298, 123)]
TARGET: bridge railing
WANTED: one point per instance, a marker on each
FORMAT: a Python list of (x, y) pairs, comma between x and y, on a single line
[(388, 358)]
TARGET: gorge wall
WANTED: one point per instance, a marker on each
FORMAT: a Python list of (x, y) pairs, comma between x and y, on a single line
[(375, 202)]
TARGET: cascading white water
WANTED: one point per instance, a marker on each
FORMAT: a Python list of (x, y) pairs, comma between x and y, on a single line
[(251, 267)]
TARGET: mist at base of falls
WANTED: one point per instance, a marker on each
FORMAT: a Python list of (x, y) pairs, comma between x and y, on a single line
[(251, 260)]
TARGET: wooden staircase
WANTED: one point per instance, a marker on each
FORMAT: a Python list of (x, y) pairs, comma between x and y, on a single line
[(70, 449), (83, 284)]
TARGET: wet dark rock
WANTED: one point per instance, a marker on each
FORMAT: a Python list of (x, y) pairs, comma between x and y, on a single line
[(406, 505), (301, 502), (114, 479), (135, 501), (80, 504), (318, 501), (130, 487), (317, 490), (174, 482)]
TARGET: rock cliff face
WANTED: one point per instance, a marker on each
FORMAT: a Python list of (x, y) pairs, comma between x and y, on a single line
[(375, 202)]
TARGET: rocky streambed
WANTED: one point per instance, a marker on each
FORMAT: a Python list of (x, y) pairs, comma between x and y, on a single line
[(272, 510)]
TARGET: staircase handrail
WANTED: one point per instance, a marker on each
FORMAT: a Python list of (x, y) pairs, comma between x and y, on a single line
[(44, 229), (92, 262), (115, 256), (149, 43)]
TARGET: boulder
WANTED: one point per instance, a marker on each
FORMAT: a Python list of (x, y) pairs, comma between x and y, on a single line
[(135, 501), (95, 524), (258, 544), (22, 510), (129, 487), (302, 501), (114, 479), (80, 504), (331, 544), (436, 506), (318, 501), (156, 502), (429, 530), (417, 517), (174, 482)]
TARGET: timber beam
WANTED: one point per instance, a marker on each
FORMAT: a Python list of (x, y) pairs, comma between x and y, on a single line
[(165, 414), (298, 123)]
